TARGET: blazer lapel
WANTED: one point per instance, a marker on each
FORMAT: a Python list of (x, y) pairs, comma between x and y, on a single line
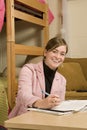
[(40, 75)]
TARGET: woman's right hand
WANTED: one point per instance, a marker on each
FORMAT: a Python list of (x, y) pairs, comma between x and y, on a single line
[(48, 102)]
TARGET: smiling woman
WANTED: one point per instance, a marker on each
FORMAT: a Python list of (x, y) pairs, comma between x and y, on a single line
[(42, 76), (55, 51)]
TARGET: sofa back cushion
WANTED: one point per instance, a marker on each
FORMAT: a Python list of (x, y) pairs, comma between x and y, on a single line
[(81, 61), (75, 78), (35, 59)]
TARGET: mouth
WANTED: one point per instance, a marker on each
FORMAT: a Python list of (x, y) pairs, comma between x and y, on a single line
[(56, 61)]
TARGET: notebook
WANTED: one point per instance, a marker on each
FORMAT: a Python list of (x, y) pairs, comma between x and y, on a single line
[(71, 105), (65, 107)]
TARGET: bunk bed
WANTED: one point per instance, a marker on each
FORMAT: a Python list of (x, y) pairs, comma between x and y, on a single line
[(30, 11)]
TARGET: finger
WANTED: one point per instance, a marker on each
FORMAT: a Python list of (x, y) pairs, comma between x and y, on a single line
[(56, 101), (54, 96)]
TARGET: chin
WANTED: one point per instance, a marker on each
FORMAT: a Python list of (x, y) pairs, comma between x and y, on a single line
[(54, 67)]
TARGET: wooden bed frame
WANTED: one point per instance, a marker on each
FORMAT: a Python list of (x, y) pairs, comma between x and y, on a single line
[(14, 49)]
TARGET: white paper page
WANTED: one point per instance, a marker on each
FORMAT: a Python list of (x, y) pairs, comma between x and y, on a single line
[(73, 105), (48, 111)]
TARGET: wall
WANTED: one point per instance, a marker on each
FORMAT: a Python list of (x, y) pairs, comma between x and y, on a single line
[(75, 23), (54, 27)]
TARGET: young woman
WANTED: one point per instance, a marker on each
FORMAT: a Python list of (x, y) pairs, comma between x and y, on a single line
[(40, 85)]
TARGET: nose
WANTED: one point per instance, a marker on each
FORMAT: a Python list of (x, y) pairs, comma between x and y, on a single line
[(58, 55)]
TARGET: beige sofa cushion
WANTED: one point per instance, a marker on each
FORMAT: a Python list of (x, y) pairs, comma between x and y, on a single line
[(73, 73), (4, 74), (35, 59), (76, 95)]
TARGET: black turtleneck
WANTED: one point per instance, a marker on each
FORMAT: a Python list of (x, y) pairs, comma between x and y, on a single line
[(49, 76)]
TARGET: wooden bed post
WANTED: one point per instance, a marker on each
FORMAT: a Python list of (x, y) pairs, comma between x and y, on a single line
[(10, 48), (46, 28)]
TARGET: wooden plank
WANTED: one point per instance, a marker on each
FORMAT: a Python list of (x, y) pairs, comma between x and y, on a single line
[(29, 18), (10, 20), (28, 50), (46, 28), (9, 73), (13, 74), (34, 4)]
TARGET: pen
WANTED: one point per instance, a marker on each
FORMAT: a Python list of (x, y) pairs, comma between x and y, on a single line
[(45, 93)]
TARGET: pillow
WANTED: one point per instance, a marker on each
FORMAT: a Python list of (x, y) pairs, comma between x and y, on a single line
[(20, 59), (74, 76), (35, 59), (1, 83), (17, 71)]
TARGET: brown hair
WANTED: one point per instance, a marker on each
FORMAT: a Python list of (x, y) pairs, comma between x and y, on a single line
[(56, 42)]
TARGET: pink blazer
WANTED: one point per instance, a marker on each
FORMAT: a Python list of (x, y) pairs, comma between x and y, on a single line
[(30, 86)]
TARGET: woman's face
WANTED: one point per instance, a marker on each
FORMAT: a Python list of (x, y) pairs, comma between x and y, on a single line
[(55, 57)]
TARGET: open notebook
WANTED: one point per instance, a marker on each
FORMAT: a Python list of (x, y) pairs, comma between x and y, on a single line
[(66, 107), (71, 105)]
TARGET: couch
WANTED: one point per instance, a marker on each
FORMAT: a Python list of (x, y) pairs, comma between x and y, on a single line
[(75, 72)]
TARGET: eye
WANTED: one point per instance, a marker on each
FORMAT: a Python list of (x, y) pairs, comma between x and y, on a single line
[(55, 51), (63, 54)]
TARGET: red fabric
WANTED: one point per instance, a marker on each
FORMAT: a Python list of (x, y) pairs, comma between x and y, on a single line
[(2, 12), (2, 128), (50, 14)]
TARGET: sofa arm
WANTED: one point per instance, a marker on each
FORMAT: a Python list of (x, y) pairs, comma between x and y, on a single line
[(76, 95)]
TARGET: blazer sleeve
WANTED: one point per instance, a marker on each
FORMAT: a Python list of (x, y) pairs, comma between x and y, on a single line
[(25, 85)]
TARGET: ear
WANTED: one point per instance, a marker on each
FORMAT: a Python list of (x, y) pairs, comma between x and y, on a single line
[(45, 53)]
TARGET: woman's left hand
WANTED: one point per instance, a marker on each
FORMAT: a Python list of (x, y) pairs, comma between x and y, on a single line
[(48, 102)]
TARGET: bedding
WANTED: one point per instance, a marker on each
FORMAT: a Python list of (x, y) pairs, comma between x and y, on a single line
[(50, 14), (3, 80), (2, 12), (3, 101), (31, 11), (4, 107)]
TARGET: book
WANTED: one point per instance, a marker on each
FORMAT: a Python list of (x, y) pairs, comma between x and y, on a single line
[(49, 111), (65, 107), (71, 105)]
